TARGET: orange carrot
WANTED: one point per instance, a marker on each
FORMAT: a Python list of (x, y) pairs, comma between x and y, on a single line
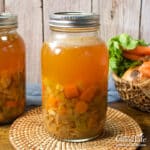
[(89, 94), (146, 63), (145, 69), (11, 103), (81, 107), (71, 91), (140, 50), (132, 56), (146, 73)]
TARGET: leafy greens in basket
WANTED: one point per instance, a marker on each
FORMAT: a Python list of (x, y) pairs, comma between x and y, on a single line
[(116, 45)]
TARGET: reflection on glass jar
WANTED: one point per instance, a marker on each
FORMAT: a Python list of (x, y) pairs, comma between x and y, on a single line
[(74, 78), (12, 69)]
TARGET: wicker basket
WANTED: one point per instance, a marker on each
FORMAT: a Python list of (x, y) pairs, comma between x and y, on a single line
[(135, 94)]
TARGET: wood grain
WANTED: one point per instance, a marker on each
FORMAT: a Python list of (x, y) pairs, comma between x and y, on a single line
[(2, 7), (50, 6), (118, 16), (96, 6), (145, 20), (30, 27), (141, 118), (4, 141)]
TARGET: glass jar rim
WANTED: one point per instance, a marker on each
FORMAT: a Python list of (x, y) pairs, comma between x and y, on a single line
[(73, 20), (8, 20)]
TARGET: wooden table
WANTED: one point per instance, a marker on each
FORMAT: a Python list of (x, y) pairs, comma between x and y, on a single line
[(142, 118)]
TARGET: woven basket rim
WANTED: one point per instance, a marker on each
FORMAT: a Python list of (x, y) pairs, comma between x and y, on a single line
[(135, 94), (139, 84)]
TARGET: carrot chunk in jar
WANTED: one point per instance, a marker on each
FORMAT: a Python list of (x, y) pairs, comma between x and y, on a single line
[(71, 91)]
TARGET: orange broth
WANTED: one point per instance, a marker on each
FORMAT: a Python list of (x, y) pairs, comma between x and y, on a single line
[(74, 89), (12, 76)]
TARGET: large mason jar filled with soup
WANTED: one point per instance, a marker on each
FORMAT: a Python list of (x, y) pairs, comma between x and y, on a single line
[(12, 69), (74, 77)]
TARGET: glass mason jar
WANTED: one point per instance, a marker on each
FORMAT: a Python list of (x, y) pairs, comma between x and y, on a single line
[(12, 69), (74, 77)]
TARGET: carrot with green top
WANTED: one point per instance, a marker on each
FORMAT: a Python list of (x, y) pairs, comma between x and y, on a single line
[(81, 107), (132, 56), (71, 91), (140, 50)]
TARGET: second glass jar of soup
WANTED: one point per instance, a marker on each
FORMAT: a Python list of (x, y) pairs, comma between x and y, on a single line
[(74, 77), (12, 69)]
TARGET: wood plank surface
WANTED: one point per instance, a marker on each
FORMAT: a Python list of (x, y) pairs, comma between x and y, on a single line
[(51, 6), (145, 20), (2, 7), (118, 16), (142, 118), (30, 27), (4, 140), (96, 6)]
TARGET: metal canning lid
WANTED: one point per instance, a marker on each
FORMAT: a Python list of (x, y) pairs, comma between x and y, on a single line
[(8, 20), (73, 20)]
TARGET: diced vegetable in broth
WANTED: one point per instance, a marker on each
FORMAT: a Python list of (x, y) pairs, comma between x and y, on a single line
[(74, 90), (12, 96), (71, 116)]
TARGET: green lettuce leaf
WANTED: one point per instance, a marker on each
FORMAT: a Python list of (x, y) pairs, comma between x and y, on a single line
[(117, 62)]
